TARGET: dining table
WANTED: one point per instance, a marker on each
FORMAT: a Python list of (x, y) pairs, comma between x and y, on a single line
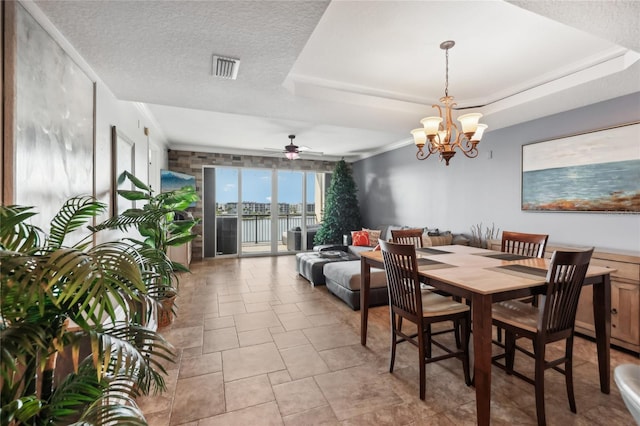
[(484, 277)]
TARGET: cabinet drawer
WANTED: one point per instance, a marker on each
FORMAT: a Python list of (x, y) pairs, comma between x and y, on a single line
[(624, 270)]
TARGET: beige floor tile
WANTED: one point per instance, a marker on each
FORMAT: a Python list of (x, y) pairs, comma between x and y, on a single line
[(259, 296), (258, 307), (254, 337), (186, 337), (285, 308), (256, 320), (350, 356), (219, 340), (356, 391), (278, 377), (248, 392), (263, 415), (204, 364), (220, 322), (198, 397), (316, 416), (290, 339), (331, 336), (231, 308), (251, 361), (294, 321), (298, 396), (303, 361)]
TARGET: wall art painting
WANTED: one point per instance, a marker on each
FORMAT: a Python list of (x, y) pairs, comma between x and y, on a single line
[(54, 121), (123, 154), (597, 171), (170, 181)]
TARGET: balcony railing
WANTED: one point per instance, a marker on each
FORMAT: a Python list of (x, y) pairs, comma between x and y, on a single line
[(256, 228)]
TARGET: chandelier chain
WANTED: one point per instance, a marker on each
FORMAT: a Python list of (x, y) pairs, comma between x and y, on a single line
[(446, 75)]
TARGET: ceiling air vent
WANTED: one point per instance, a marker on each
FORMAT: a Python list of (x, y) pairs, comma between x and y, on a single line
[(225, 67)]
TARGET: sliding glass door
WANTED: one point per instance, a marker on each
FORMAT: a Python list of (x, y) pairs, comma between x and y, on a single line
[(261, 211)]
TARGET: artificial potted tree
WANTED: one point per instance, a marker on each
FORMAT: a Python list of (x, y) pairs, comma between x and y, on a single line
[(341, 213), (161, 223), (54, 296)]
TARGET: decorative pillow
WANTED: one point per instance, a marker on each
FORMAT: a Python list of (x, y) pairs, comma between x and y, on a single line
[(374, 236), (360, 238)]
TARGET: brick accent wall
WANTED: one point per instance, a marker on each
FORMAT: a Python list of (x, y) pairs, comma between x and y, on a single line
[(192, 163)]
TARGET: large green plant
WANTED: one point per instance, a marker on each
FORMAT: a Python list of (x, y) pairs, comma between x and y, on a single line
[(155, 221), (342, 212), (53, 297)]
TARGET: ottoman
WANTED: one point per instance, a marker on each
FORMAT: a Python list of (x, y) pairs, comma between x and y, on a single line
[(343, 280), (310, 265)]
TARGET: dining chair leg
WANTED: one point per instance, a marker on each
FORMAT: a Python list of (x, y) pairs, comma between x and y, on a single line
[(428, 340), (423, 373), (466, 334), (509, 351), (456, 333), (539, 350), (568, 373), (393, 342)]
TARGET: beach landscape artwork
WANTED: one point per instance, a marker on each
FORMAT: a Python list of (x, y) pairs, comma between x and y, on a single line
[(591, 172)]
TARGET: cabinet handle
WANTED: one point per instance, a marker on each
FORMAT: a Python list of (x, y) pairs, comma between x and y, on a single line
[(614, 311)]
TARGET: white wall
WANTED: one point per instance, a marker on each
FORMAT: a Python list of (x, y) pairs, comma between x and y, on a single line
[(396, 188)]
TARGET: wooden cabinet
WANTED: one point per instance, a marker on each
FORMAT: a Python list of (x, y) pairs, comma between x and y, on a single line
[(625, 300), (180, 254), (625, 296)]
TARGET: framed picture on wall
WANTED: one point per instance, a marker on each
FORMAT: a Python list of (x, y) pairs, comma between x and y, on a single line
[(597, 171), (49, 142), (123, 153)]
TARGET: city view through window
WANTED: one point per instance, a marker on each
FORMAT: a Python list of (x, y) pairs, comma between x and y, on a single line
[(272, 202)]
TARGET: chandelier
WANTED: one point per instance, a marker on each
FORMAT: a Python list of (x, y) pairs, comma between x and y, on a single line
[(441, 133)]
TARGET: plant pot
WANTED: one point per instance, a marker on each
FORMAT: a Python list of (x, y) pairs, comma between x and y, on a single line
[(165, 312)]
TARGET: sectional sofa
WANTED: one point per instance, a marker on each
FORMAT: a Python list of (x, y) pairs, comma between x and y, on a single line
[(342, 278)]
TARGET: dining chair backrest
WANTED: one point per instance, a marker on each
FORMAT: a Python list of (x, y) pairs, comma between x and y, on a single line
[(565, 277), (532, 245), (401, 268), (407, 236)]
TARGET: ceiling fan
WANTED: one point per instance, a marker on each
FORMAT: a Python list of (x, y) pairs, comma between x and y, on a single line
[(293, 151)]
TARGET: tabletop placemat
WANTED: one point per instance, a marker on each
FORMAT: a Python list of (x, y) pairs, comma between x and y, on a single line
[(429, 264), (422, 261), (428, 250), (507, 256), (521, 270)]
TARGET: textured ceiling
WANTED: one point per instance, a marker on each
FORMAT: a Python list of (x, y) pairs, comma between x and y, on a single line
[(349, 78)]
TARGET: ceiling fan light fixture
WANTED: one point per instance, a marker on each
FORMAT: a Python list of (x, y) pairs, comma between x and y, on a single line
[(291, 150)]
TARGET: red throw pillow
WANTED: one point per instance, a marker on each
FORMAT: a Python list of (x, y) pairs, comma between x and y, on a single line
[(360, 238)]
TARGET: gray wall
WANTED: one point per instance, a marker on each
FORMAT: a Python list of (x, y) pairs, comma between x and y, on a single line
[(396, 188)]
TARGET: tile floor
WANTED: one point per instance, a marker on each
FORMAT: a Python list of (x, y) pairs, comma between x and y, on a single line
[(257, 345)]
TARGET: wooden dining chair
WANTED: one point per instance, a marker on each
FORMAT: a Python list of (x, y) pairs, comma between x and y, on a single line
[(407, 236), (552, 321), (423, 308), (532, 245)]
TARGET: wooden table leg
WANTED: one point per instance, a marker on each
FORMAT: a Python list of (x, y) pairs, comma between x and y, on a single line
[(482, 355), (365, 282), (602, 322)]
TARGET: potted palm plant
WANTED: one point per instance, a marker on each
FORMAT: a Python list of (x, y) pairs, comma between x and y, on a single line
[(162, 223), (54, 296)]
